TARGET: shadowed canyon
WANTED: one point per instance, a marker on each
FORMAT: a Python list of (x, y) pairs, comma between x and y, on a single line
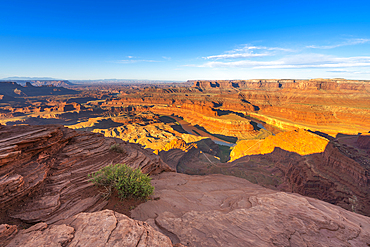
[(233, 163)]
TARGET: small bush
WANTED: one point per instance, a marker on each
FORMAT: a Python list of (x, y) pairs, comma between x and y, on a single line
[(127, 181), (117, 148)]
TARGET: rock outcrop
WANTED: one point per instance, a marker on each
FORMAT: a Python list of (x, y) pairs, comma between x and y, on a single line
[(103, 228), (236, 84), (7, 232), (178, 144), (232, 125), (298, 141), (335, 175), (313, 84), (43, 170), (218, 210), (364, 141)]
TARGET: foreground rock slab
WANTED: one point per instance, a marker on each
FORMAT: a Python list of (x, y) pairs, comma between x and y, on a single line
[(104, 228), (43, 170), (219, 210)]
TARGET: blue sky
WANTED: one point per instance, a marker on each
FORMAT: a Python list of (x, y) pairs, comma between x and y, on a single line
[(181, 40)]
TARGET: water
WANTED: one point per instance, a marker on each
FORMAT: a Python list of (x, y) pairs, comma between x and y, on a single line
[(259, 125), (224, 143)]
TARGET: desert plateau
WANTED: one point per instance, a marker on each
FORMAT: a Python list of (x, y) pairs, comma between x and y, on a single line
[(233, 163)]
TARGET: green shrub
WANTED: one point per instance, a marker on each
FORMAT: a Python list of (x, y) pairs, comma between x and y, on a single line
[(127, 181), (117, 148)]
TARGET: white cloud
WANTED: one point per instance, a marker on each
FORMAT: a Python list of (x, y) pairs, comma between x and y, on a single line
[(248, 47), (249, 61), (346, 43), (297, 61), (237, 55), (136, 61), (247, 51), (340, 71)]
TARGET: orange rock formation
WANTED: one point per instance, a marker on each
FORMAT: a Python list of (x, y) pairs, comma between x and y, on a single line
[(298, 141)]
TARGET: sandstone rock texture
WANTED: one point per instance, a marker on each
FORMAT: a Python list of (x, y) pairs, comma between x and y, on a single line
[(327, 84), (154, 136), (225, 125), (335, 171), (178, 144), (43, 170), (298, 141), (202, 115), (103, 228), (327, 105), (7, 232), (330, 176), (364, 141), (218, 210)]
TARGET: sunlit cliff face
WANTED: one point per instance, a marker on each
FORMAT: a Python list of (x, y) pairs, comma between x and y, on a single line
[(298, 141)]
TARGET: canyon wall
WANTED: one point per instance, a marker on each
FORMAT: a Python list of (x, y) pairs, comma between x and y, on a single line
[(325, 84)]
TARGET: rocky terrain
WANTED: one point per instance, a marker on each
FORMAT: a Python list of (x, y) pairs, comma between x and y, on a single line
[(298, 141), (44, 183), (44, 170), (218, 210), (102, 228), (309, 137), (335, 171)]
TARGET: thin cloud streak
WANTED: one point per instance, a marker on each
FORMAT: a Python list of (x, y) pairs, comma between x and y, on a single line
[(137, 61), (246, 51), (296, 62), (248, 47), (348, 42), (237, 55)]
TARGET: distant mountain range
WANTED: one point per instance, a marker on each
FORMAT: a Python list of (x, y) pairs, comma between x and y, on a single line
[(40, 81), (13, 89), (28, 78), (123, 81)]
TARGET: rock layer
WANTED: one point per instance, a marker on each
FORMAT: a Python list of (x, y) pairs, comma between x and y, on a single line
[(43, 170), (331, 176), (218, 210), (103, 228)]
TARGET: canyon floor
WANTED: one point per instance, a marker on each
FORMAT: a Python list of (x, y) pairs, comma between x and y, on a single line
[(251, 163)]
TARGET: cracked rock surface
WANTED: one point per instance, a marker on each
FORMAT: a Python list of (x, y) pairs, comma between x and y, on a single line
[(219, 210), (103, 228)]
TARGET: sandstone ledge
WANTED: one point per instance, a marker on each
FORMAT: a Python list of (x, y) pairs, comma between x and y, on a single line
[(218, 210), (43, 170), (104, 228)]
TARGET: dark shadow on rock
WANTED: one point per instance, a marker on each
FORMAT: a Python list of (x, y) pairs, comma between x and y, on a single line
[(222, 137), (336, 175), (166, 119)]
